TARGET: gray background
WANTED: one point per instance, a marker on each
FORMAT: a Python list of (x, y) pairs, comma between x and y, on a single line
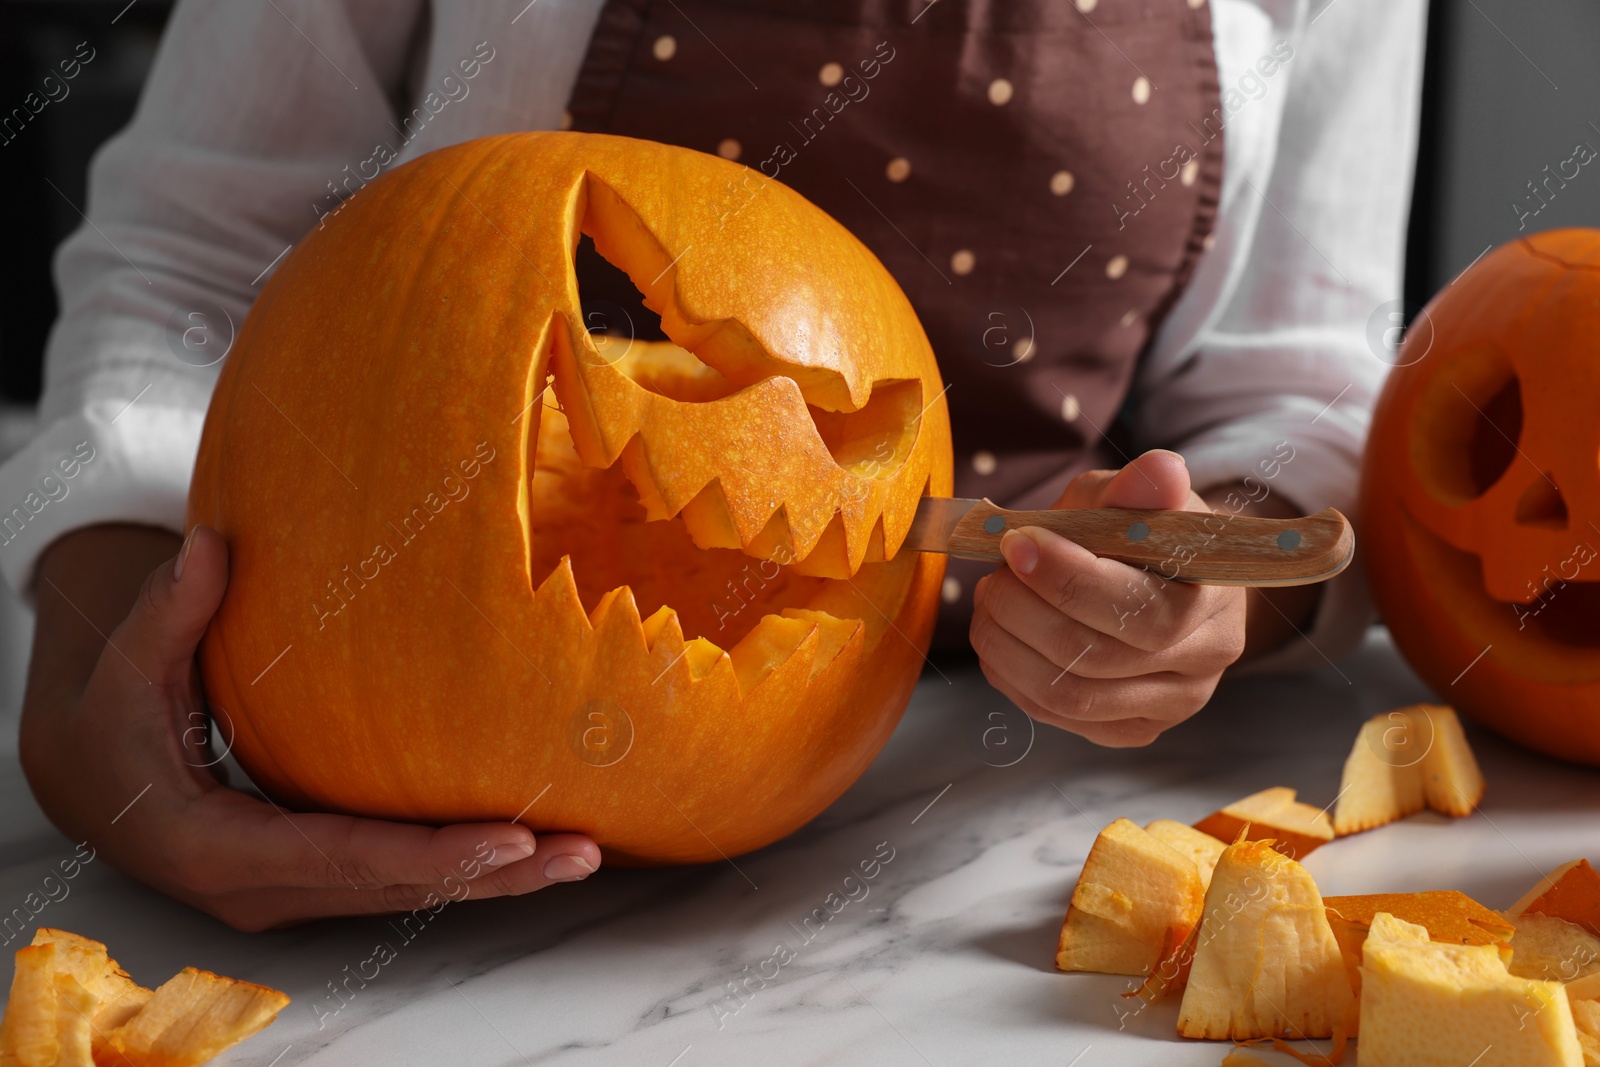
[(1513, 85)]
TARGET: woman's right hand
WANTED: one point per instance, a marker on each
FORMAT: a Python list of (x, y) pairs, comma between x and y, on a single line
[(113, 745)]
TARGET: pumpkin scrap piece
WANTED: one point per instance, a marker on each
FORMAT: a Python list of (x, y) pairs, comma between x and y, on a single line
[(1382, 778), (194, 1016), (28, 1031), (1272, 814), (1586, 1016), (1450, 775), (72, 1006), (116, 996), (1239, 1056), (1429, 1004), (1171, 973), (1449, 917), (1403, 761), (1135, 898), (1266, 963), (1570, 892), (1553, 949), (1332, 1058), (1198, 845)]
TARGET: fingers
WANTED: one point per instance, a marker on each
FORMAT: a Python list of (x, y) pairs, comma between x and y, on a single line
[(256, 867), (1111, 652), (557, 858), (273, 847), (1123, 733), (1001, 601), (1156, 479), (1062, 694), (160, 635), (1136, 606)]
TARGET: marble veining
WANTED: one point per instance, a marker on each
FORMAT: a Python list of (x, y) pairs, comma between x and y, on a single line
[(913, 923)]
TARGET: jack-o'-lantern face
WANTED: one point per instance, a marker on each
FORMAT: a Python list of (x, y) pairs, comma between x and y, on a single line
[(482, 555), (1481, 493)]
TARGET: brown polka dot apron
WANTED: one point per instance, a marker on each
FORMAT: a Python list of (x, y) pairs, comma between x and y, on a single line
[(1040, 177)]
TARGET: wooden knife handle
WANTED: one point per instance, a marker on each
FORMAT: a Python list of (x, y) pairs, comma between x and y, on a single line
[(1206, 548)]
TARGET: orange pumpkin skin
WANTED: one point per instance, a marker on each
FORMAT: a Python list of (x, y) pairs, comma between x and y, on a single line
[(437, 577), (1480, 506)]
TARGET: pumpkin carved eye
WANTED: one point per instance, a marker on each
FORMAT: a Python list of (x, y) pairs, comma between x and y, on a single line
[(1468, 422), (744, 406), (1481, 494), (694, 533)]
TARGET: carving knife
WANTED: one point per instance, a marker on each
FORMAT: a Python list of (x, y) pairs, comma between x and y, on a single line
[(1206, 548)]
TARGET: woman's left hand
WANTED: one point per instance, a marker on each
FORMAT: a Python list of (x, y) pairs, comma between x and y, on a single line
[(1111, 652)]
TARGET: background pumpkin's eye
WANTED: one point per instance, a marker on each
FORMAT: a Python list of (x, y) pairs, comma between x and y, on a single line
[(1468, 428), (1542, 504)]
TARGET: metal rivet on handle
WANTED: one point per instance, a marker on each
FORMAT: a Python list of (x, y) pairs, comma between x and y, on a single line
[(1138, 531), (1289, 540), (994, 524)]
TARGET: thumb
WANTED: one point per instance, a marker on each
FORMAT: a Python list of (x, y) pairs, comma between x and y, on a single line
[(1156, 479), (161, 633)]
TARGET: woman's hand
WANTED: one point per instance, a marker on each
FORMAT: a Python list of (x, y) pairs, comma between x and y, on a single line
[(1109, 651), (113, 744)]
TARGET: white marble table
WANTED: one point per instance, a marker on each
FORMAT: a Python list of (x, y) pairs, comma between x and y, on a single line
[(947, 960)]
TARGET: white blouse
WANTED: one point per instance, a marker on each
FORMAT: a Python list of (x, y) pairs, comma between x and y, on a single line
[(258, 111)]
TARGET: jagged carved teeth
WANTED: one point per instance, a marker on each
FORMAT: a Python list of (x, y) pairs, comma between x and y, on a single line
[(756, 468), (597, 562)]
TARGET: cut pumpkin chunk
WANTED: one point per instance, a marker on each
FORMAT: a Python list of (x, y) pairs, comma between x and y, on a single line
[(1266, 963), (1135, 898), (1272, 814), (1452, 782), (1196, 844), (28, 1032), (116, 996), (1449, 917), (1405, 760), (1383, 775), (1570, 892), (75, 1009), (194, 1016), (1586, 1016), (1541, 887), (1243, 1057), (1553, 949), (1170, 975), (1429, 1004), (72, 1006)]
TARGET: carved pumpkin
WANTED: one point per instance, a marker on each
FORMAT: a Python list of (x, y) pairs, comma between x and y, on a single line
[(1481, 494), (658, 602)]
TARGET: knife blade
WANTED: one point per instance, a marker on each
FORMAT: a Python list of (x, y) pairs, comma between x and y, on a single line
[(1205, 548)]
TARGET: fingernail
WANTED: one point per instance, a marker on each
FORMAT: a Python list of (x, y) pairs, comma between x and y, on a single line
[(1020, 550), (183, 556), (567, 869), (508, 852)]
